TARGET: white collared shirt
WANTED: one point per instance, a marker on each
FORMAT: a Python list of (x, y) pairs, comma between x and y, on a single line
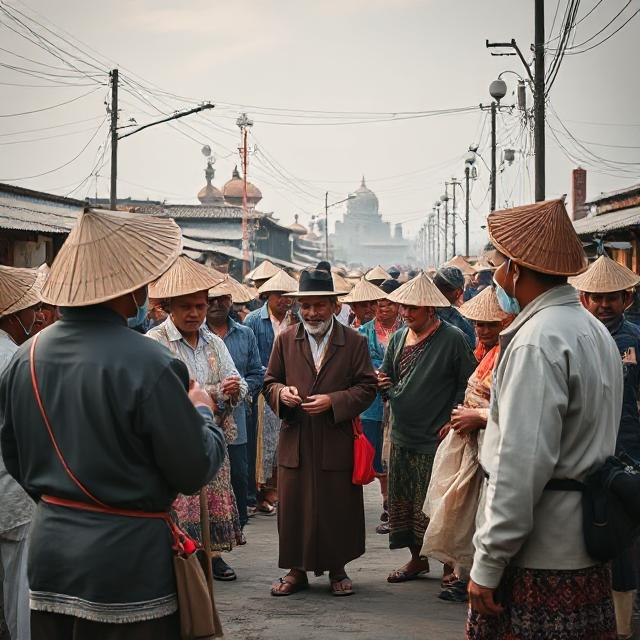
[(318, 349)]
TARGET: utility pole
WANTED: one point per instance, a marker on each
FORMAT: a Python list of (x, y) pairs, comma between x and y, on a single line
[(538, 101), (493, 155), (445, 199), (437, 208), (326, 225), (113, 194), (454, 184), (244, 123), (467, 171)]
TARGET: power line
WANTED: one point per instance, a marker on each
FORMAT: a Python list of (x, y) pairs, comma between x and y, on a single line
[(53, 106), (584, 17), (624, 24)]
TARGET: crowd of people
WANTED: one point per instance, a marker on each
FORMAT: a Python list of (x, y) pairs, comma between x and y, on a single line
[(138, 383)]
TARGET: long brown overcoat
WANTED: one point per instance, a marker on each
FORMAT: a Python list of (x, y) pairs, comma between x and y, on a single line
[(321, 513)]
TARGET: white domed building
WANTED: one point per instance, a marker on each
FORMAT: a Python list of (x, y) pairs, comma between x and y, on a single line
[(363, 237)]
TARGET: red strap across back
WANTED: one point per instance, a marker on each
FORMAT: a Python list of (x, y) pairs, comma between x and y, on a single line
[(182, 542)]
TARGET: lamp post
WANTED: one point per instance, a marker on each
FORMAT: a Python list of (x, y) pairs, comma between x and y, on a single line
[(469, 172), (327, 206), (498, 90), (436, 209)]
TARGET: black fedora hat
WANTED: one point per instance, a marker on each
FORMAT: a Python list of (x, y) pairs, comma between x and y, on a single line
[(315, 282)]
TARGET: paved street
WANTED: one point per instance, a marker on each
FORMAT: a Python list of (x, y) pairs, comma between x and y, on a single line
[(377, 611)]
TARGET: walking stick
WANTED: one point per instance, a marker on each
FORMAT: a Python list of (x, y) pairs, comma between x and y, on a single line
[(208, 555)]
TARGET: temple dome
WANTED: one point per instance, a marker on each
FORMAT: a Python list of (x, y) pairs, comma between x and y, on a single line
[(232, 191), (365, 200), (298, 228), (209, 194)]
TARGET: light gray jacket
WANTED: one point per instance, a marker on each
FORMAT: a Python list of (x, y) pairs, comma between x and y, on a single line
[(555, 410)]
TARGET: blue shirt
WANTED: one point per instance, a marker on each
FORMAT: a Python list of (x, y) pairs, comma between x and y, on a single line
[(454, 317), (243, 347), (627, 337), (260, 323)]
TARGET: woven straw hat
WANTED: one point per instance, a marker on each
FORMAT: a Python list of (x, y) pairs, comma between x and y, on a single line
[(280, 282), (377, 273), (263, 271), (341, 283), (19, 289), (108, 254), (231, 287), (539, 236), (462, 264), (484, 307), (184, 277), (419, 292), (605, 276), (364, 291)]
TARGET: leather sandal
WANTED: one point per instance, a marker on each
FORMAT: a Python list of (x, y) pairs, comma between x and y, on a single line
[(335, 581), (400, 575), (293, 586)]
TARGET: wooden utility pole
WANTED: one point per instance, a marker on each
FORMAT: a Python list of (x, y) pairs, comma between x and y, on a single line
[(538, 101), (113, 194)]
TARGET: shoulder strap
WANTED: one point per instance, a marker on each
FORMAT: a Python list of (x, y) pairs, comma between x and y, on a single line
[(36, 390)]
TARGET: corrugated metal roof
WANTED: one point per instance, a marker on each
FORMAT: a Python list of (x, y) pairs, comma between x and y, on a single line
[(31, 211), (218, 230), (186, 211), (608, 222)]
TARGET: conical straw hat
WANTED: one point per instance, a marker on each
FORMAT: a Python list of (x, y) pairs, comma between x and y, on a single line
[(364, 291), (539, 236), (19, 289), (281, 281), (377, 273), (341, 283), (108, 254), (419, 292), (263, 271), (484, 307), (231, 287), (184, 277), (462, 264), (605, 276)]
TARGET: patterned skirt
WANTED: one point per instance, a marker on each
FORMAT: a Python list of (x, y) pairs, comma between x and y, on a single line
[(409, 475), (224, 522), (545, 604)]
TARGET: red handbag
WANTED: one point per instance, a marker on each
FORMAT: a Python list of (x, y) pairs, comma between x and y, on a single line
[(363, 455)]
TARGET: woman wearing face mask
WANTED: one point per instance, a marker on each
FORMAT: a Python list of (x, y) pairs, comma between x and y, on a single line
[(454, 490), (424, 372)]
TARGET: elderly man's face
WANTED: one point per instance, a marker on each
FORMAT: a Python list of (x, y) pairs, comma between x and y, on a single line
[(219, 309), (188, 312), (315, 310)]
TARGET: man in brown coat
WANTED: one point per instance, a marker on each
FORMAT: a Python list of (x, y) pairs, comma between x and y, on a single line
[(319, 378)]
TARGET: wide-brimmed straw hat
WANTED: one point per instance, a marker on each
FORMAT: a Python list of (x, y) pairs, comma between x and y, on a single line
[(419, 292), (462, 264), (364, 291), (19, 289), (377, 273), (315, 282), (605, 276), (263, 271), (184, 277), (281, 282), (231, 287), (341, 283), (109, 254), (539, 236), (484, 307)]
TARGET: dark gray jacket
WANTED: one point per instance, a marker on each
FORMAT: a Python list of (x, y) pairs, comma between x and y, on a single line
[(118, 406)]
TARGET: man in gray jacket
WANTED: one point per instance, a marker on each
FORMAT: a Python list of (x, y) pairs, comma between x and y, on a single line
[(554, 414), (125, 425)]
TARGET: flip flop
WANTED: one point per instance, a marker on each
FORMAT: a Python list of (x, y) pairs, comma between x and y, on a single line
[(266, 509), (294, 587), (341, 592), (404, 576)]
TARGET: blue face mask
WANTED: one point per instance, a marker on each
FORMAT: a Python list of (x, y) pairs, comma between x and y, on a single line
[(509, 304), (141, 314)]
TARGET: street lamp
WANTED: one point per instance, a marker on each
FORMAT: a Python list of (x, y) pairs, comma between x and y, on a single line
[(498, 90), (327, 206), (470, 171)]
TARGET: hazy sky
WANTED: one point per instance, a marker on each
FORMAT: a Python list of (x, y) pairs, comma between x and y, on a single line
[(375, 56)]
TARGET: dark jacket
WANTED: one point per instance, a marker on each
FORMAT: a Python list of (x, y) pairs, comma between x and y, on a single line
[(118, 406)]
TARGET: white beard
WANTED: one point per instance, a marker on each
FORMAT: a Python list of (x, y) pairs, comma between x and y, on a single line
[(317, 330)]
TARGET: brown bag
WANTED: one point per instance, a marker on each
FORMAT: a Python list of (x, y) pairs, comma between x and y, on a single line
[(199, 618)]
